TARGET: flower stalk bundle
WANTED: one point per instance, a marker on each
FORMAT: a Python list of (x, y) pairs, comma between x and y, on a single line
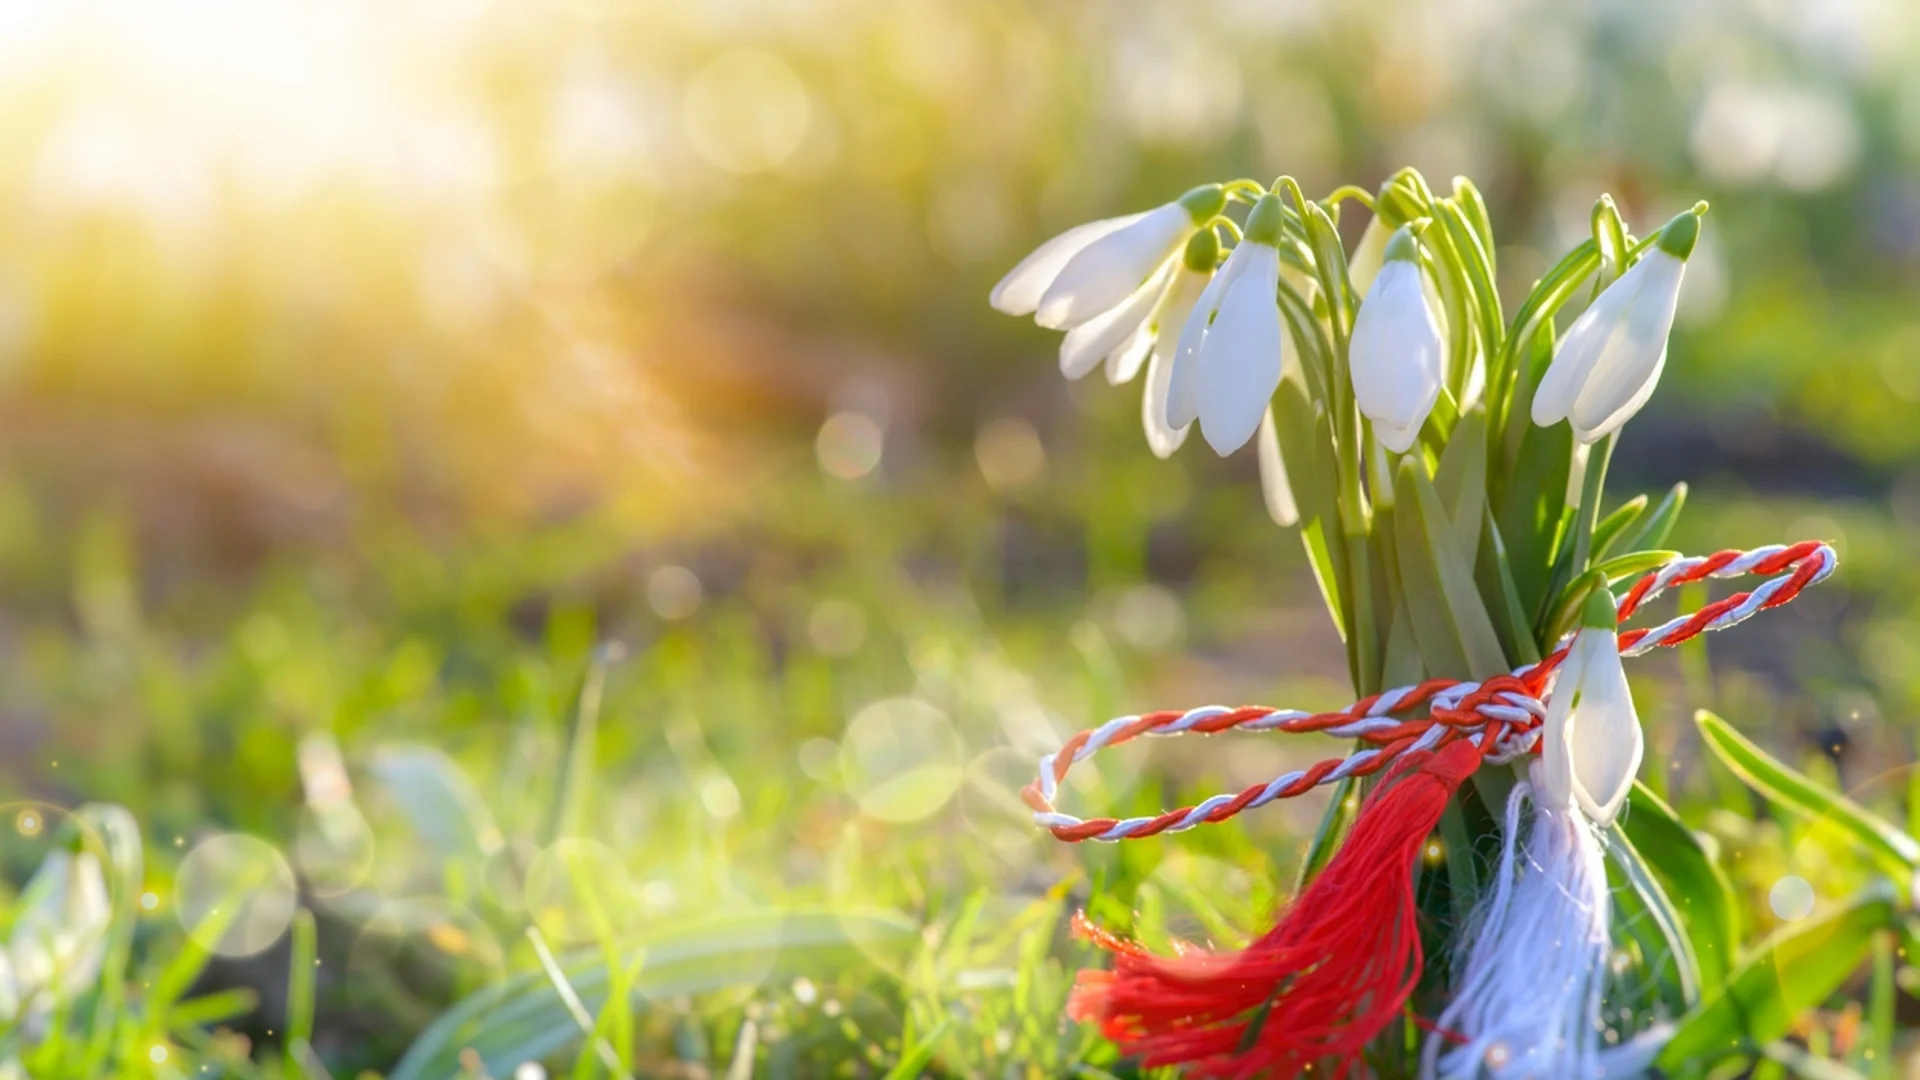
[(1444, 463)]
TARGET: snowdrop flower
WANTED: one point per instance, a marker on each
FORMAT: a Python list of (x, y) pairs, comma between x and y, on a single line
[(1591, 743), (1091, 269), (1610, 360), (1232, 351), (59, 936), (1396, 357), (1161, 334)]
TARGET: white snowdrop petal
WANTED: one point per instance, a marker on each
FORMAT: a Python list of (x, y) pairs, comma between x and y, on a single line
[(1126, 361), (1240, 361), (1161, 439), (1625, 412), (1396, 350), (1105, 272), (1556, 770), (1183, 396), (1275, 488), (1019, 292), (1603, 739), (1397, 439), (1636, 351), (1581, 348), (1089, 343)]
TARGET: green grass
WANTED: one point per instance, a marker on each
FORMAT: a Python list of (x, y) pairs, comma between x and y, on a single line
[(772, 837)]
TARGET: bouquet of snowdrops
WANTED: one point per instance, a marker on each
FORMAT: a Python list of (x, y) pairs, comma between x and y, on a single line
[(1445, 466)]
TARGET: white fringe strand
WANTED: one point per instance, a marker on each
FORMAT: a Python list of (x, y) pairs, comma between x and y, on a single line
[(1528, 998)]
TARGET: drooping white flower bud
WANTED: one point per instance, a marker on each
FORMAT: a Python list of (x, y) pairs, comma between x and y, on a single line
[(1089, 270), (1396, 355), (1189, 283), (1610, 359), (1232, 351), (1591, 743)]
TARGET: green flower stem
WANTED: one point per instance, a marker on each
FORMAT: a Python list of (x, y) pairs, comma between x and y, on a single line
[(1591, 488), (1349, 191)]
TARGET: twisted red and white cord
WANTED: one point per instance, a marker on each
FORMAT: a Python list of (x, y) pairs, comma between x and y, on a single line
[(1501, 716)]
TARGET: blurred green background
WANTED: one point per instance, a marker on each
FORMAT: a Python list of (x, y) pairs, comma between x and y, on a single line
[(367, 370)]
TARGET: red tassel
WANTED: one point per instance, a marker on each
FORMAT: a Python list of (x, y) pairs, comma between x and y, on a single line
[(1318, 986)]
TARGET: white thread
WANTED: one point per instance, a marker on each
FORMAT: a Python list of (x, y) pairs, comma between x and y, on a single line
[(1533, 975), (1514, 709)]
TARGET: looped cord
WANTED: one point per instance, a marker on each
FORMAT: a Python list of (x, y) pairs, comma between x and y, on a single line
[(1500, 717)]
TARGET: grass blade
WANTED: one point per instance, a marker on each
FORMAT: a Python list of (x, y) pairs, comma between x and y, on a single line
[(1892, 850), (1791, 972)]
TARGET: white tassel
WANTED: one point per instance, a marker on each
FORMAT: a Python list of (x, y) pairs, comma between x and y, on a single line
[(1528, 996)]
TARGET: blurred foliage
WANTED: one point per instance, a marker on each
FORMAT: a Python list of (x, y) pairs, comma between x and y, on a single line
[(371, 373)]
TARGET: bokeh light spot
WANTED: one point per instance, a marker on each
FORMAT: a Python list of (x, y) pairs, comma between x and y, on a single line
[(234, 893), (849, 445), (1009, 454), (746, 111), (901, 759), (674, 592), (837, 627), (1149, 617), (820, 759), (1791, 898)]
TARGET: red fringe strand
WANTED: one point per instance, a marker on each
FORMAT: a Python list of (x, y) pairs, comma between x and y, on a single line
[(1320, 985)]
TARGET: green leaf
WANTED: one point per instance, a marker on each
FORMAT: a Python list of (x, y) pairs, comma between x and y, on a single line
[(1696, 885), (1893, 851), (1566, 610), (1610, 527), (300, 964), (1795, 970), (1463, 869), (1649, 917), (1334, 822), (914, 1061), (1300, 448), (1461, 480), (1529, 507), (1495, 578), (1659, 524), (575, 790), (1799, 1062), (1633, 564), (1450, 622), (1536, 313), (524, 1018)]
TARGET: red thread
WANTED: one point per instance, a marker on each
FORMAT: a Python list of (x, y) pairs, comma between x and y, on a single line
[(1337, 968), (1394, 740)]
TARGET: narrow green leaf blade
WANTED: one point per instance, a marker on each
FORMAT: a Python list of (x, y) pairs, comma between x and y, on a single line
[(1609, 528), (1461, 480), (1696, 885), (1793, 971), (915, 1060), (523, 1018), (1894, 851), (1659, 524), (1437, 580)]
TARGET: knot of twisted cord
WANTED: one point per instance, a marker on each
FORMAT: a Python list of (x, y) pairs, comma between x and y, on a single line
[(1501, 716)]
